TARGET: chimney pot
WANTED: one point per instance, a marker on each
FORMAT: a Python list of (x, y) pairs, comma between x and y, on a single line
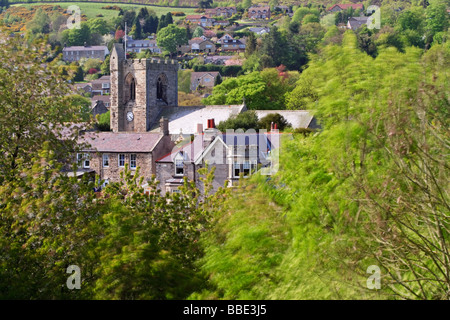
[(164, 126)]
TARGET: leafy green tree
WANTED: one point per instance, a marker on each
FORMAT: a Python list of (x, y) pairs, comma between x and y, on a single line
[(273, 4), (198, 32), (99, 26), (4, 4), (437, 17), (309, 18), (246, 4), (235, 90), (151, 24), (169, 18), (250, 45), (299, 14), (170, 37), (27, 115), (162, 23), (40, 22), (103, 121), (137, 30), (245, 121), (272, 119), (105, 67), (76, 37), (204, 4)]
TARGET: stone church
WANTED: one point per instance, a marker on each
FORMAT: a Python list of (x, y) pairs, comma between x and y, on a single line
[(146, 121)]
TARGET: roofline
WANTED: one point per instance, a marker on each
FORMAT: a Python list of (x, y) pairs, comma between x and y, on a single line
[(201, 156), (172, 152)]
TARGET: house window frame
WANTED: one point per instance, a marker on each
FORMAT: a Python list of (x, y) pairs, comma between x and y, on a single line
[(179, 165), (133, 163), (118, 160), (86, 161), (236, 166), (105, 163), (247, 171)]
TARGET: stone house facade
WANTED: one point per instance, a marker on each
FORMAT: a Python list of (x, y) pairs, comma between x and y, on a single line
[(234, 155), (101, 85), (140, 89), (107, 153), (341, 7), (205, 79), (221, 12), (75, 53), (259, 13), (233, 45)]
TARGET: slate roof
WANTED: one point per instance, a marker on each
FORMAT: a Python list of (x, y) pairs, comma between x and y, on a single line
[(297, 118), (194, 150), (87, 48), (357, 22), (199, 75), (187, 118), (345, 6), (120, 141), (103, 79)]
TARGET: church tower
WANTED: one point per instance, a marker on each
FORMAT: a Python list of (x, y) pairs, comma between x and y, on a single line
[(140, 89)]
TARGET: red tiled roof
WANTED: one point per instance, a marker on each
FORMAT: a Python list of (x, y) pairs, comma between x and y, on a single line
[(121, 141)]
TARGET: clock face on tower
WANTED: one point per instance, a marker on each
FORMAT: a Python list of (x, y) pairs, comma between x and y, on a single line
[(130, 116)]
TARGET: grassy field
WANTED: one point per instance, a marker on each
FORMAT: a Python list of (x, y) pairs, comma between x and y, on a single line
[(91, 10)]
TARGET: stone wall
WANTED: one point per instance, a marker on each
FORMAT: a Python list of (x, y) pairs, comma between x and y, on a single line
[(146, 107)]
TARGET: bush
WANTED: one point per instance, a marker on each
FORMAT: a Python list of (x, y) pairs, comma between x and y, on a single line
[(275, 118), (103, 122), (226, 71), (246, 120)]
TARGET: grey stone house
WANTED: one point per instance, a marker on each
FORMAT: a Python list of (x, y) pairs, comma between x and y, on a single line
[(75, 53), (234, 155), (101, 85), (106, 153), (204, 79)]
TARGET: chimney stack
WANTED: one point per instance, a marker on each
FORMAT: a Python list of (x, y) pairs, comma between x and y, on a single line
[(210, 133), (211, 124), (164, 126), (200, 128)]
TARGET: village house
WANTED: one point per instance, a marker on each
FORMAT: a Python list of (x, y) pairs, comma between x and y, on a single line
[(234, 156), (101, 85), (225, 37), (222, 23), (138, 46), (89, 52), (226, 12), (98, 107), (146, 121), (217, 60), (198, 45), (201, 20), (105, 99), (107, 153), (83, 88), (259, 30), (234, 45), (354, 23), (204, 79), (256, 12), (341, 7)]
